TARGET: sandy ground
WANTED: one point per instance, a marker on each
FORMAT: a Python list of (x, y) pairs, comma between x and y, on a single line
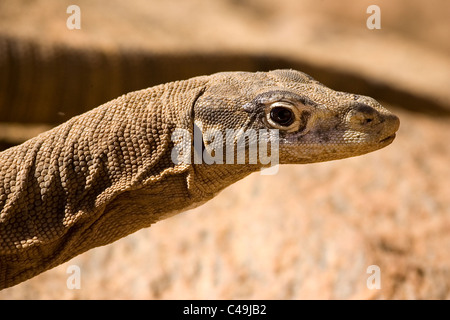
[(310, 231)]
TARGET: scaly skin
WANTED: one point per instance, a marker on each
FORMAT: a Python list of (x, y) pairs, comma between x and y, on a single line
[(110, 172)]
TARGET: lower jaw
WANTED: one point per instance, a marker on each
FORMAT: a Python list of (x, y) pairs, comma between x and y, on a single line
[(388, 139)]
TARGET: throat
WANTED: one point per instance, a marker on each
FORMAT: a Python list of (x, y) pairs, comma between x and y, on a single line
[(211, 179)]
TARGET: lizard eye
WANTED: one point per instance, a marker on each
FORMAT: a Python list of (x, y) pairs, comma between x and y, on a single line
[(282, 116)]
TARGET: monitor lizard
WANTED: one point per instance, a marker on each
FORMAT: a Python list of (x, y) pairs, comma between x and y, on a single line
[(109, 172)]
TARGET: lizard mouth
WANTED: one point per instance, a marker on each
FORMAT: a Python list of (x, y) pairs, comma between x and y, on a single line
[(388, 139)]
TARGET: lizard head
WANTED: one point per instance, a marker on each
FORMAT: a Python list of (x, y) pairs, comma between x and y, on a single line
[(314, 122)]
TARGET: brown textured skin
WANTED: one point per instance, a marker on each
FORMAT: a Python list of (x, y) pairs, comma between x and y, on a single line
[(108, 173)]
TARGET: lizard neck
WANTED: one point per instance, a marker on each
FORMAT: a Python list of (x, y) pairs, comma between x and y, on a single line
[(208, 180)]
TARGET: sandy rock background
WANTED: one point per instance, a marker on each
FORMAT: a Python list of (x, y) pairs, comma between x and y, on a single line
[(310, 231)]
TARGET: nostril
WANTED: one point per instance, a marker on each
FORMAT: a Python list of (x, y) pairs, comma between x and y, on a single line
[(368, 120), (363, 115)]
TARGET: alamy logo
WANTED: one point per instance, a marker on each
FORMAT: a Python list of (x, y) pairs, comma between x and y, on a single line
[(374, 20), (229, 147), (374, 280), (74, 280), (74, 20)]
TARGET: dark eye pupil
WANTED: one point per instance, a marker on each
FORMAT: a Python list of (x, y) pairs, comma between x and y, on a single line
[(282, 116)]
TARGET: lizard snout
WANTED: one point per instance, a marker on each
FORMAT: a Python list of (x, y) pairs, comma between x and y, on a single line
[(363, 117)]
